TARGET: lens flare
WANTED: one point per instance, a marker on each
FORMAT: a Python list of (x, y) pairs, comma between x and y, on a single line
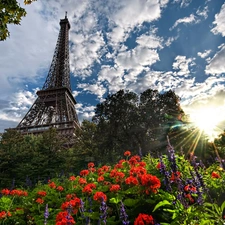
[(207, 120)]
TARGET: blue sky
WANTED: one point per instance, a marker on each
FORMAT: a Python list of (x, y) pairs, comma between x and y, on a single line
[(126, 44)]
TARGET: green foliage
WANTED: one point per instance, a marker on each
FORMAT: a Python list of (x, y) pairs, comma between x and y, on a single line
[(126, 120), (33, 157), (164, 206), (10, 13)]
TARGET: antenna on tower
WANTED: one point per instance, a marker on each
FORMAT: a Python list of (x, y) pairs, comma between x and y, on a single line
[(66, 15)]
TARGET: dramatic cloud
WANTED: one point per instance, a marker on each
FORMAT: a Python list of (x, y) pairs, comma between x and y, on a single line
[(96, 89), (181, 65), (216, 64), (127, 44), (220, 22)]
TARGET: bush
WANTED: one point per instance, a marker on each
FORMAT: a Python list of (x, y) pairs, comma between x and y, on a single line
[(167, 190)]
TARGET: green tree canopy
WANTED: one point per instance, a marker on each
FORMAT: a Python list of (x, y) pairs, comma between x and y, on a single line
[(126, 120), (10, 13)]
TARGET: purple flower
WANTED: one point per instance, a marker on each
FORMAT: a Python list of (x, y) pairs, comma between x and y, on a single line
[(123, 215), (166, 174), (46, 214), (103, 210)]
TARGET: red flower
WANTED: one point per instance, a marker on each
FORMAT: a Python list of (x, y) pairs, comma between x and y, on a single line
[(117, 175), (131, 180), (142, 164), (64, 218), (158, 166), (105, 168), (39, 200), (101, 178), (52, 185), (107, 183), (5, 191), (92, 170), (72, 178), (143, 219), (42, 193), (18, 192), (70, 196), (4, 214), (190, 188), (215, 175), (60, 188), (91, 165), (191, 199), (134, 160), (115, 188), (84, 173), (88, 188), (175, 176), (113, 173), (100, 196), (127, 153), (74, 203), (136, 171), (151, 182), (82, 181)]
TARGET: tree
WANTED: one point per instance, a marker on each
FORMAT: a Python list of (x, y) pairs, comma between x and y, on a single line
[(138, 123), (34, 157), (85, 146), (10, 13)]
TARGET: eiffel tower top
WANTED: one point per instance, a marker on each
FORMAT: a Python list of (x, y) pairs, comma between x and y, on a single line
[(59, 72), (55, 104)]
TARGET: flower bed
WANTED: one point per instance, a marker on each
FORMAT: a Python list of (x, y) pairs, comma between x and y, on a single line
[(168, 190)]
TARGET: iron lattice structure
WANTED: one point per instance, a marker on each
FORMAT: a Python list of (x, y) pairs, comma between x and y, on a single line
[(55, 104)]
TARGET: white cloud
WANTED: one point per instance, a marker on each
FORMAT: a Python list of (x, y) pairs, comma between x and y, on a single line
[(203, 12), (85, 52), (134, 12), (182, 65), (137, 57), (170, 40), (219, 22), (183, 3), (85, 112), (125, 15), (113, 76), (24, 53), (150, 41), (96, 89), (216, 64), (17, 106), (204, 54), (185, 20), (75, 93), (163, 3)]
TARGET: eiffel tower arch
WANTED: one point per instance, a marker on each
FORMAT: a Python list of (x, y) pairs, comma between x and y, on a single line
[(55, 104)]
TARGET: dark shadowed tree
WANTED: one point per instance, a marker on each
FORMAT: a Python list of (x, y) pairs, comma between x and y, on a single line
[(126, 120)]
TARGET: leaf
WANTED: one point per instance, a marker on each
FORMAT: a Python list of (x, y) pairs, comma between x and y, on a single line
[(160, 204), (217, 208), (207, 222), (130, 202), (222, 206), (114, 200)]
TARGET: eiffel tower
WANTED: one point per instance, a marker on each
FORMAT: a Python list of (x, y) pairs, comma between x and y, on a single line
[(55, 104)]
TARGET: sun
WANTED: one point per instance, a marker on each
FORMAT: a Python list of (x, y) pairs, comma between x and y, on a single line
[(207, 120)]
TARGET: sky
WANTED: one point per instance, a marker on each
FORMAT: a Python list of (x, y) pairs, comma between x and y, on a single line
[(126, 44)]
